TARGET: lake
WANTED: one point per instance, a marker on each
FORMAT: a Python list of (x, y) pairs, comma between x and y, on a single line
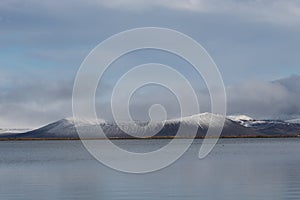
[(235, 169)]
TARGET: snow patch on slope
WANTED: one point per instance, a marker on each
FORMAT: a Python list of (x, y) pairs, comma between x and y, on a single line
[(293, 121), (238, 118), (243, 120), (13, 130), (203, 119), (83, 122)]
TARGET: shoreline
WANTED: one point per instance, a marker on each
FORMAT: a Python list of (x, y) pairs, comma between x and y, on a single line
[(152, 138)]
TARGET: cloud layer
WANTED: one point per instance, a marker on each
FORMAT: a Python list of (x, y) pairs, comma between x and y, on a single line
[(277, 11), (33, 102), (278, 99)]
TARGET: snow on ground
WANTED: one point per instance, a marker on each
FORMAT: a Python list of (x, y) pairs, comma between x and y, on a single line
[(294, 121), (238, 118), (11, 130)]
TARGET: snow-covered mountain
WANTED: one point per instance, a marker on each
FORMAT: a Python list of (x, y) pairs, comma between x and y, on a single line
[(65, 128), (234, 126), (268, 127)]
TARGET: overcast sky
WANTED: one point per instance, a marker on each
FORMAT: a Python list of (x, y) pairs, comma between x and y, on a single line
[(254, 43)]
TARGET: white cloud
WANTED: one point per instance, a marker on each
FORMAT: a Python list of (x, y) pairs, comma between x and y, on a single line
[(145, 4), (276, 11), (277, 99), (283, 12), (33, 101)]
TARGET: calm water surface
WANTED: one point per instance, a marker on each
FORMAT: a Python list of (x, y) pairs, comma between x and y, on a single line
[(236, 169)]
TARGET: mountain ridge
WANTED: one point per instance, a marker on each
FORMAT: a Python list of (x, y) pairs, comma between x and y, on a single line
[(234, 126)]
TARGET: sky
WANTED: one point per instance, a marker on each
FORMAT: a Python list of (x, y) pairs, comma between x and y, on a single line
[(255, 45)]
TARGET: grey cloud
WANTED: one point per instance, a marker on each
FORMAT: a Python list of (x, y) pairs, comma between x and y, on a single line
[(291, 83), (277, 99), (33, 102), (285, 12), (30, 101)]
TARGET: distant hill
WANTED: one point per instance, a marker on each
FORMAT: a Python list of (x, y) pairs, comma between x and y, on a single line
[(235, 126)]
